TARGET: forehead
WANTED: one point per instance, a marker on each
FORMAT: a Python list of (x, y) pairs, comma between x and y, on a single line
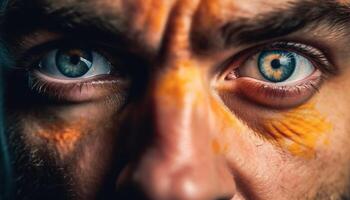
[(149, 19), (251, 6)]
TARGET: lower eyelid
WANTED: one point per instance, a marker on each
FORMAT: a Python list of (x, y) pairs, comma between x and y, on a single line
[(272, 95), (77, 91)]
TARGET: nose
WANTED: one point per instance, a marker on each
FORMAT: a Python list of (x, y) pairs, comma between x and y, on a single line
[(178, 162)]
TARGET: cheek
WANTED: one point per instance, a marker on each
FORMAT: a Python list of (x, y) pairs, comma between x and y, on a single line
[(62, 137), (299, 130), (64, 131), (226, 127)]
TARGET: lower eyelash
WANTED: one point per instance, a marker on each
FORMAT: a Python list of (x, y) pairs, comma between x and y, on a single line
[(74, 91), (279, 96), (286, 91)]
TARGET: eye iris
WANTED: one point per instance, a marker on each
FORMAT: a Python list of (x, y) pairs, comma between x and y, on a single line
[(276, 65), (73, 63)]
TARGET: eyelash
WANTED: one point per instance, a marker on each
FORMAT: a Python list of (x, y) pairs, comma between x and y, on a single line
[(316, 57), (58, 90), (269, 91), (74, 90)]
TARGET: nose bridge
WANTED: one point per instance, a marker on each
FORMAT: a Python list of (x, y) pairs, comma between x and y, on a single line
[(179, 164), (180, 100)]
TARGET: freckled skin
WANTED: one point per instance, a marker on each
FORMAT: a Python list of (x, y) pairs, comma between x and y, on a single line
[(182, 139)]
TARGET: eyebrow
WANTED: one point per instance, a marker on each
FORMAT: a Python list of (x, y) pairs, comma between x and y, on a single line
[(262, 27), (278, 23), (25, 16)]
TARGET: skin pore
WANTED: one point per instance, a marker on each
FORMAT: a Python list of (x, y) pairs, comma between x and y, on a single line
[(176, 109)]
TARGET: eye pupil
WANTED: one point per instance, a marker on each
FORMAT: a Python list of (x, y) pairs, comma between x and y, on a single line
[(275, 64), (73, 63), (75, 60)]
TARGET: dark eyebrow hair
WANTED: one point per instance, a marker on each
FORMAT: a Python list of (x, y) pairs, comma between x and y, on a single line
[(281, 22), (265, 26), (28, 15), (285, 21)]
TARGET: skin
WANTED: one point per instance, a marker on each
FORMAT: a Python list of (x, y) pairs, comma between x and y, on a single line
[(183, 134)]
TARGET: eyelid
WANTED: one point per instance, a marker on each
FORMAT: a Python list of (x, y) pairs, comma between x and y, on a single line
[(91, 89), (100, 65), (317, 57), (271, 95), (33, 55), (107, 86)]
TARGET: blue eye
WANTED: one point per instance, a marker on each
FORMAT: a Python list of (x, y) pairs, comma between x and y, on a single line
[(74, 63), (277, 65)]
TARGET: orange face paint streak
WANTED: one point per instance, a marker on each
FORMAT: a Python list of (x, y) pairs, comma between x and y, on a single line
[(219, 146), (182, 82), (299, 130), (211, 11), (156, 17), (63, 136), (216, 147), (182, 86), (228, 123)]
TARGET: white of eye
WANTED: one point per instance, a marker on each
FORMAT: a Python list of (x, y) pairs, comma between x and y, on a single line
[(303, 69)]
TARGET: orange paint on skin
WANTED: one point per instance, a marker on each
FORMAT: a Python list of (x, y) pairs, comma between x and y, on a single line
[(225, 124), (211, 11), (216, 147), (151, 19), (63, 136), (219, 146), (222, 113), (182, 81), (183, 85), (156, 17), (299, 130)]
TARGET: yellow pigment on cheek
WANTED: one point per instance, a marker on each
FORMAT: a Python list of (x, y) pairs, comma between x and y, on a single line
[(298, 130), (63, 136), (227, 124)]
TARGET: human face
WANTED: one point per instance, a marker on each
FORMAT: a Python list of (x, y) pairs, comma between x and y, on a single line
[(186, 99)]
